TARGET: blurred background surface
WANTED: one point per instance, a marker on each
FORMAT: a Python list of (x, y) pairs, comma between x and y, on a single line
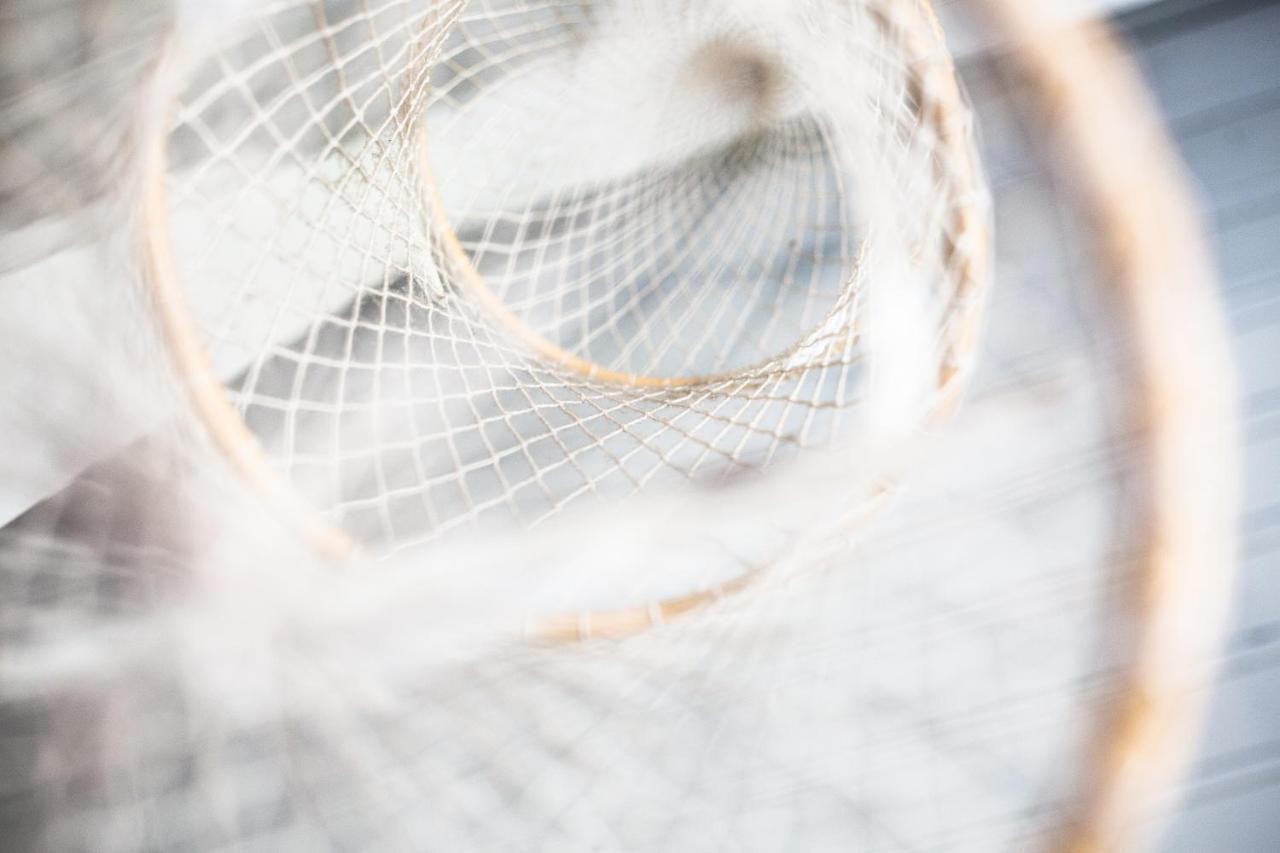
[(1214, 66)]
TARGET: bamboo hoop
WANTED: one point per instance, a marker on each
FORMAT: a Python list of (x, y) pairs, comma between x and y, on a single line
[(1126, 180), (925, 49)]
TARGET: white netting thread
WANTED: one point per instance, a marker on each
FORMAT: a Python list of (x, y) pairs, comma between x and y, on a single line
[(462, 265)]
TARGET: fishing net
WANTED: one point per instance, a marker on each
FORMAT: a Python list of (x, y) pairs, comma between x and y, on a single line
[(447, 425)]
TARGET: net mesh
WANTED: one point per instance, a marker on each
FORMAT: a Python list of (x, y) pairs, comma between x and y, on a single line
[(644, 256), (405, 337)]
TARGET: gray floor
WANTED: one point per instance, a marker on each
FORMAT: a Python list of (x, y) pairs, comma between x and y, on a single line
[(1215, 67)]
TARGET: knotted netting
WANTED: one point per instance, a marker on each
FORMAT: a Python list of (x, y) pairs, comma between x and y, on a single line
[(463, 265), (396, 343)]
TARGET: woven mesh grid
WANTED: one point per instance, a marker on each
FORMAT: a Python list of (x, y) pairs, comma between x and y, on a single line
[(557, 315), (425, 344)]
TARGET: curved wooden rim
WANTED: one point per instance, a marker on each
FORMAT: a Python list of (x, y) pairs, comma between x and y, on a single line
[(925, 49), (1115, 152), (180, 335)]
